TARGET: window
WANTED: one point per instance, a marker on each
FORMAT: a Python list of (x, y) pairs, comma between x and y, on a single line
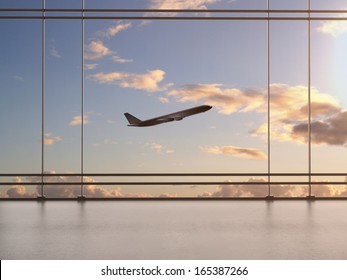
[(272, 70)]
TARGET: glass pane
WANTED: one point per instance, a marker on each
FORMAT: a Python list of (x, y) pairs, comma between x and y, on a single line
[(329, 116), (21, 4), (177, 4), (63, 96), (287, 5), (116, 4), (20, 98), (64, 4), (328, 5), (289, 96), (20, 104), (159, 68)]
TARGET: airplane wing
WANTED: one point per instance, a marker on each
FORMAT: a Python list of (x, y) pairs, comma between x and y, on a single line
[(177, 116)]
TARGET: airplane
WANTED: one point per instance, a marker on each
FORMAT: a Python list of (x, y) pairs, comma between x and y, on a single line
[(177, 116)]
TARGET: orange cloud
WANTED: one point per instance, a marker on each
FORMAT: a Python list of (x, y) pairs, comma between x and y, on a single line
[(115, 29), (289, 116), (181, 4), (159, 148), (50, 139), (97, 50), (148, 81), (70, 191), (19, 192), (227, 100), (249, 153), (77, 120), (276, 190)]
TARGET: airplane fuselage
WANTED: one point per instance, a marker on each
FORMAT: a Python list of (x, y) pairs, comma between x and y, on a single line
[(177, 116)]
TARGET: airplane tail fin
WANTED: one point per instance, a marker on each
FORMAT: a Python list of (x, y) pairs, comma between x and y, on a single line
[(131, 119)]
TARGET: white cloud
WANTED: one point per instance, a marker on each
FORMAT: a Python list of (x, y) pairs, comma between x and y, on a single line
[(97, 50), (164, 100), (54, 52), (159, 148), (333, 27), (77, 120), (18, 78), (50, 139), (148, 81), (249, 153), (119, 59), (90, 66), (115, 29), (156, 147)]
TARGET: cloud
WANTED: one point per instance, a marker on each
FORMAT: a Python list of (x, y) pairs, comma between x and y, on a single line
[(105, 142), (289, 116), (119, 59), (62, 191), (77, 120), (50, 139), (181, 4), (249, 153), (156, 147), (97, 50), (19, 192), (291, 102), (90, 66), (167, 195), (176, 5), (164, 100), (238, 190), (115, 29), (159, 148), (70, 191), (276, 190), (333, 27), (137, 195), (331, 131), (18, 78), (54, 52), (230, 190), (227, 100), (148, 81), (288, 110)]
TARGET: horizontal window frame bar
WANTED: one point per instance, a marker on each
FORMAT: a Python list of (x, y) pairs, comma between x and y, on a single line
[(296, 11), (282, 174), (171, 183), (183, 198), (264, 18)]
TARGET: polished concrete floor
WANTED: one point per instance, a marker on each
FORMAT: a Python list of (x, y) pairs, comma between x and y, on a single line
[(173, 230)]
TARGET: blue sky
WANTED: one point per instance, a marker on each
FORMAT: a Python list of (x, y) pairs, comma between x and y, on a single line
[(157, 67)]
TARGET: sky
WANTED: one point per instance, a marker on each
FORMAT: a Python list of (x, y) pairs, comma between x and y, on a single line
[(149, 68)]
